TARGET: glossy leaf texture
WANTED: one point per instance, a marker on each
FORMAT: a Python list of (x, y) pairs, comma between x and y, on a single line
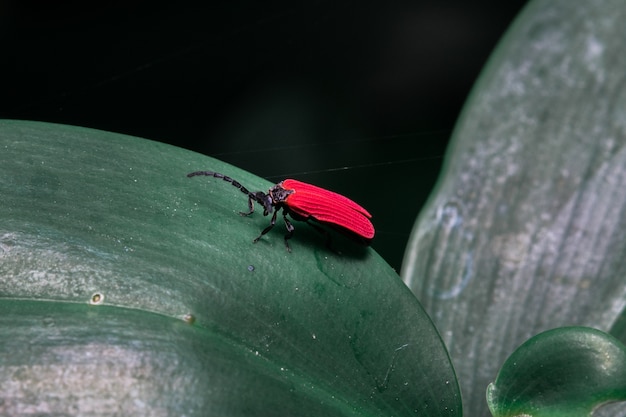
[(565, 372), (128, 288), (524, 231)]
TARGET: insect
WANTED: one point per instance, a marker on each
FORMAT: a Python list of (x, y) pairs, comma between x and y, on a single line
[(304, 202)]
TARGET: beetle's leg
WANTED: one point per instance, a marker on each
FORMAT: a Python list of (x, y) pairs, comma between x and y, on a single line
[(290, 230), (250, 208), (268, 228)]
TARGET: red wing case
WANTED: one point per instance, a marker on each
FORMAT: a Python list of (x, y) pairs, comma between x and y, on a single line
[(328, 207)]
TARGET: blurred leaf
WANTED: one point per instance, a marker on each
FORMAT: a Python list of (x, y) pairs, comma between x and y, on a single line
[(524, 231), (189, 317), (565, 372), (619, 327)]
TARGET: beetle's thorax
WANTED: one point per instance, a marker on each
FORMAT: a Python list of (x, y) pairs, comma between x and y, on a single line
[(279, 194)]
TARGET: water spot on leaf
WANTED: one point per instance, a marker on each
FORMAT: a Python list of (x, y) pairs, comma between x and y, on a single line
[(96, 298), (449, 215)]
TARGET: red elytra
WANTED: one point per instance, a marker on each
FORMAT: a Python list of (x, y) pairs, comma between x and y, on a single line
[(306, 202), (324, 206)]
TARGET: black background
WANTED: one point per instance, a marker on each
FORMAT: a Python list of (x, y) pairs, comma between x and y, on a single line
[(358, 97)]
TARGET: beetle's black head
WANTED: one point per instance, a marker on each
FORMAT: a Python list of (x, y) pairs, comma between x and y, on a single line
[(266, 201)]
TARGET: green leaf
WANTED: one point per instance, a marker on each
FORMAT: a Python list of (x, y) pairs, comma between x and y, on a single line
[(524, 231), (565, 372), (126, 287)]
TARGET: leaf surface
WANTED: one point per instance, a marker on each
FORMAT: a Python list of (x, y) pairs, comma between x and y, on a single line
[(524, 231), (121, 278), (565, 372)]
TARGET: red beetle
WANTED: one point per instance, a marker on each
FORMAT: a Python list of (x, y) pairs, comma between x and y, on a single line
[(306, 202)]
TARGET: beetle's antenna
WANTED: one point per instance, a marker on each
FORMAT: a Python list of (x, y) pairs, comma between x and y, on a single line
[(260, 197), (225, 178)]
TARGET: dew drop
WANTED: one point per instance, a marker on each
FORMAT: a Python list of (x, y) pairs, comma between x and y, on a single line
[(96, 298)]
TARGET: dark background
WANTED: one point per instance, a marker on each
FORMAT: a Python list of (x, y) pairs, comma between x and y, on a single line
[(356, 96)]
